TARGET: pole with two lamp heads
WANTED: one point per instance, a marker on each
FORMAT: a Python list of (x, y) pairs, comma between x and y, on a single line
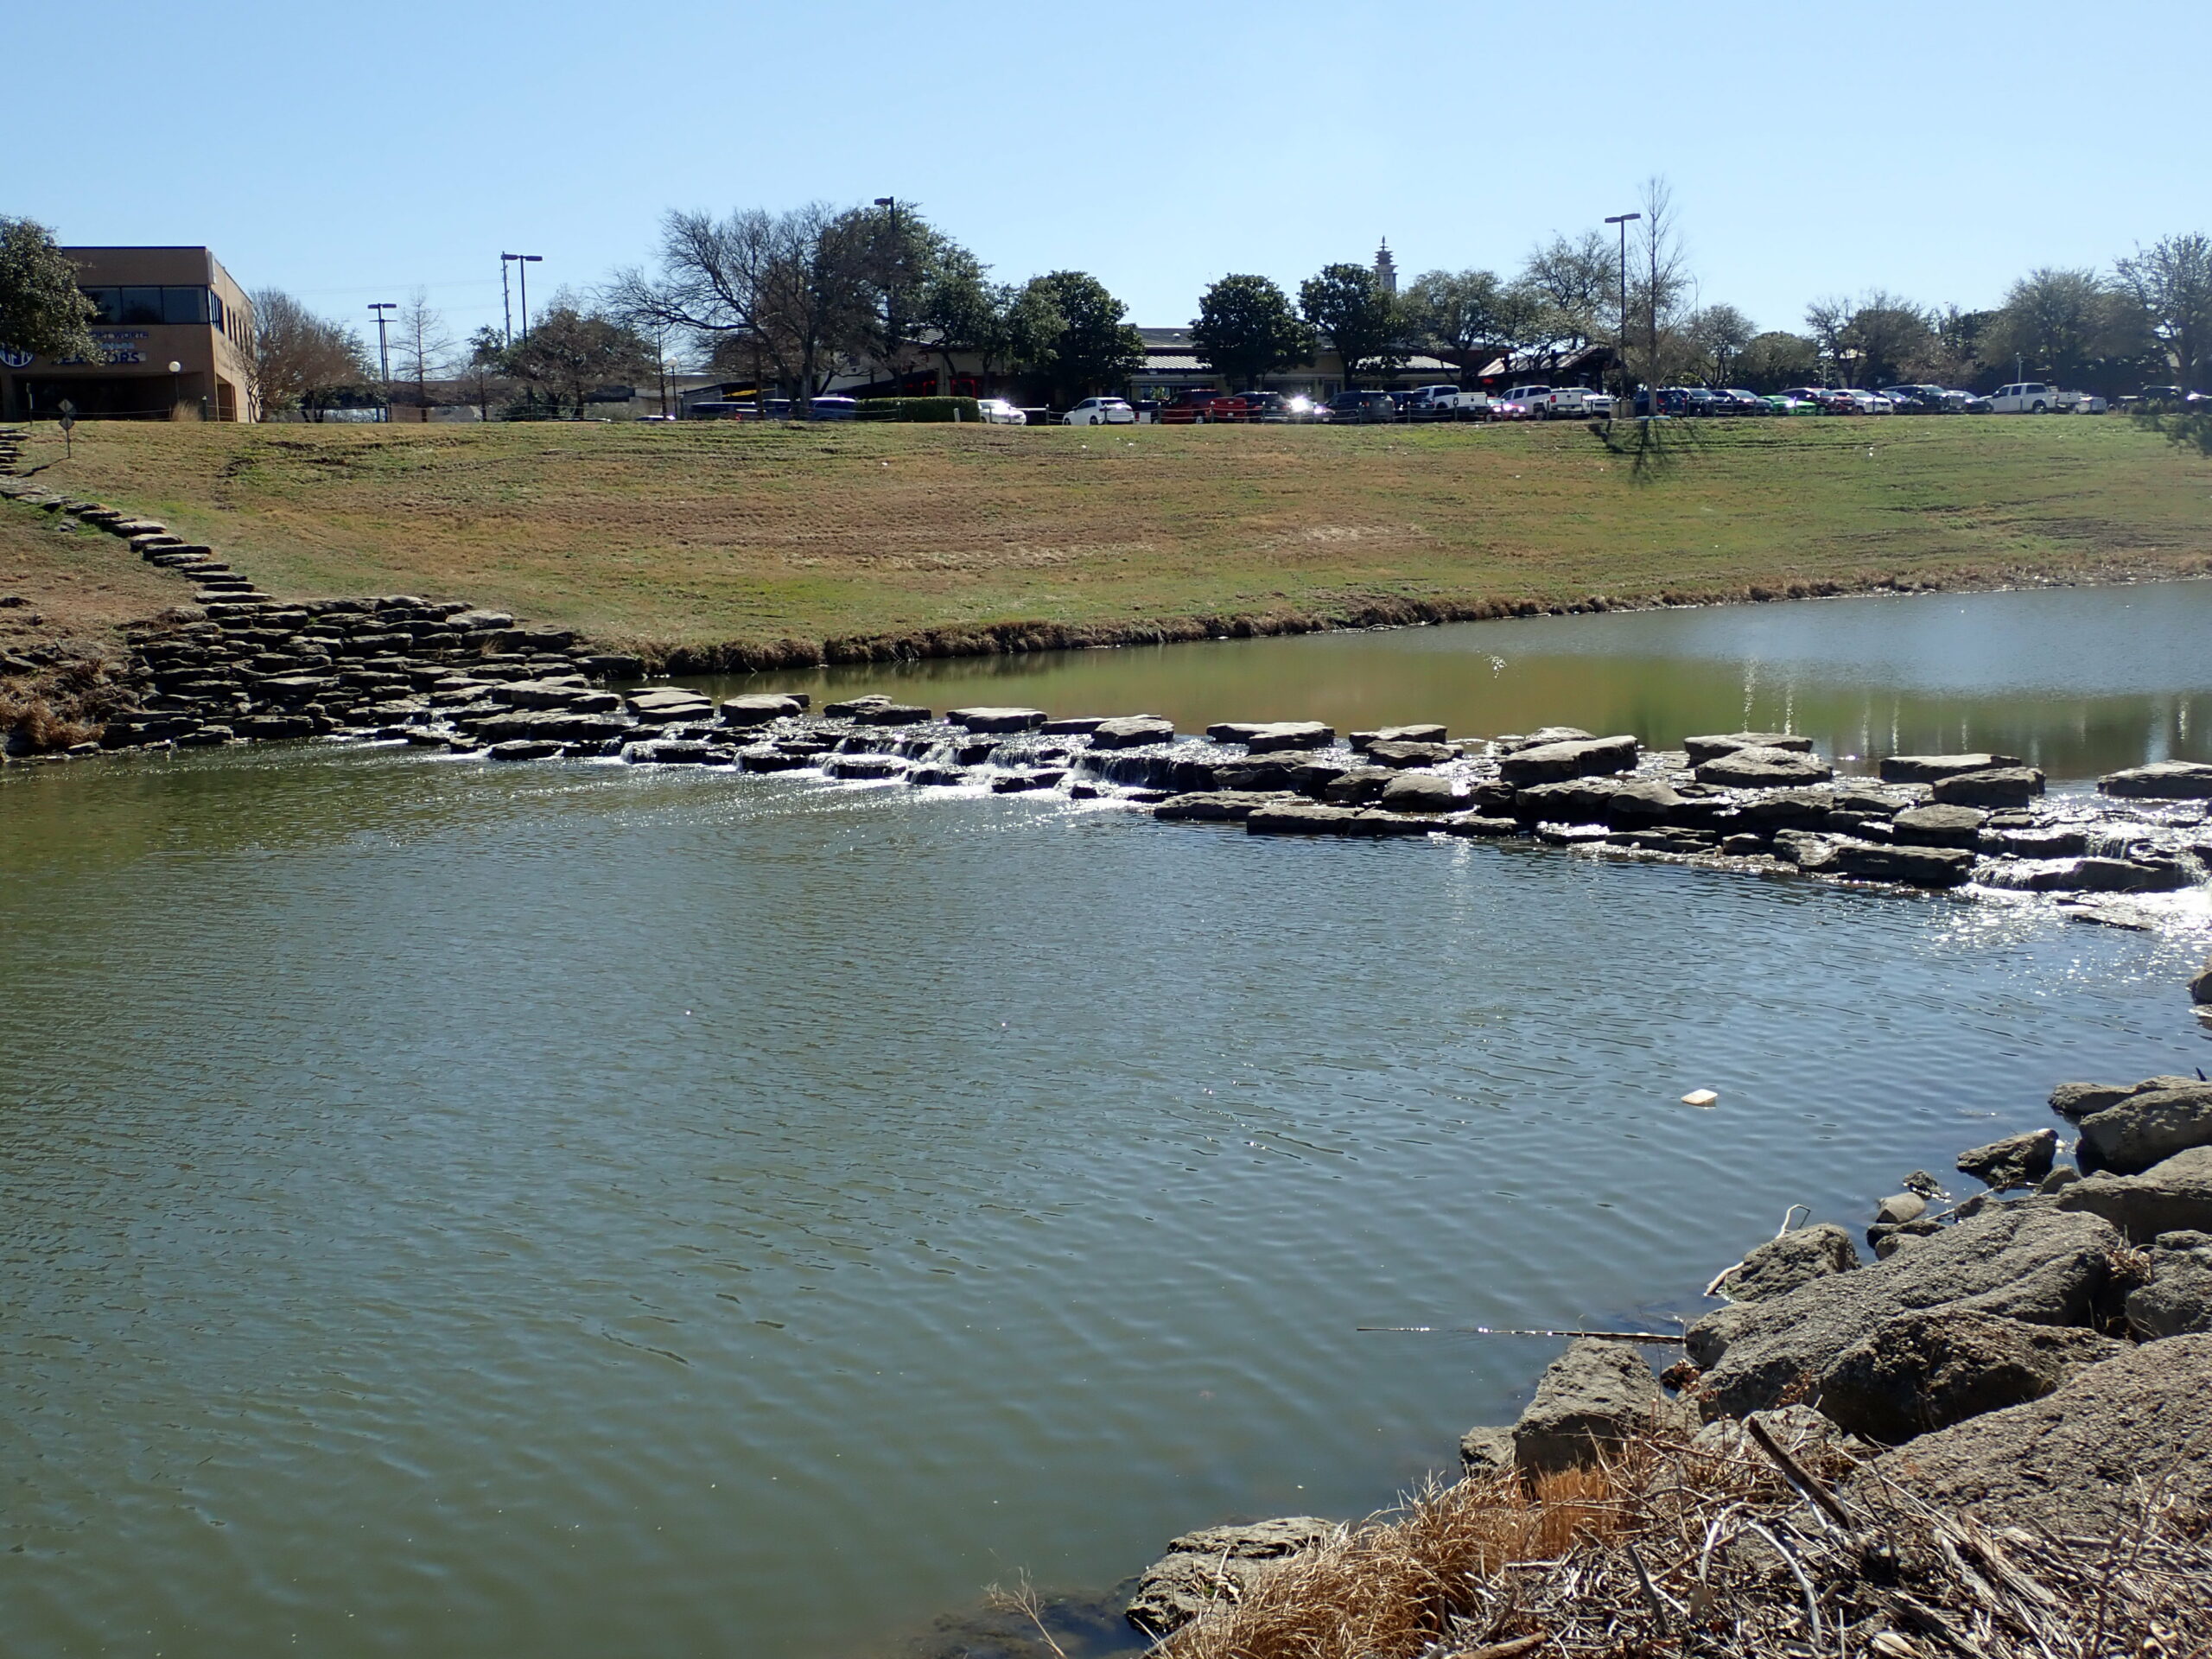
[(1625, 220)]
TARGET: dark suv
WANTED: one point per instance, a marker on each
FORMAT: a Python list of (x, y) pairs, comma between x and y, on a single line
[(1363, 406)]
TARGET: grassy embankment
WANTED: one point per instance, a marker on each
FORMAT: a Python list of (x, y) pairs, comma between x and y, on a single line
[(759, 545)]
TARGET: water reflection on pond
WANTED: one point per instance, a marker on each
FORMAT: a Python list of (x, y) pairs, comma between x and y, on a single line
[(2080, 680)]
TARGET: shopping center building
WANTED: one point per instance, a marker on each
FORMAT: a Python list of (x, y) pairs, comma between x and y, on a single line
[(173, 329)]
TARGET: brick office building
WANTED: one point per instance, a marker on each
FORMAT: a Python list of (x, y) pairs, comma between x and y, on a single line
[(157, 307)]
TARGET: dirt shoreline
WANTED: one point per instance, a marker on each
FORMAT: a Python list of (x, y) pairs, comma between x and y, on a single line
[(1036, 635)]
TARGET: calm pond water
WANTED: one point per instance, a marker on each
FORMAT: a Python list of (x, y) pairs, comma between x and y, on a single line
[(2082, 681), (576, 1210)]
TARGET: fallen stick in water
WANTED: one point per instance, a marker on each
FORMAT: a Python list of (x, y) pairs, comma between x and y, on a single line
[(1500, 1330)]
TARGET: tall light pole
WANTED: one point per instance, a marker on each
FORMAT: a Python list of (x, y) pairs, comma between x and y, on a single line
[(384, 353), (890, 204), (507, 303), (1625, 220), (522, 263)]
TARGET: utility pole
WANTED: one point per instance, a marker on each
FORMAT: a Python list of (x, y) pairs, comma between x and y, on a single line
[(507, 303), (1624, 220), (383, 353)]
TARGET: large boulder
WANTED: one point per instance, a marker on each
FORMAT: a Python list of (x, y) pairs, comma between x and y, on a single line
[(2173, 1197), (1551, 763), (1225, 806), (2148, 1126), (1933, 768), (2200, 987), (1938, 826), (2022, 1261), (1589, 1400), (1702, 749), (1928, 1368), (1761, 768), (992, 719), (2178, 1300), (1424, 732), (1131, 732), (2074, 1461), (2075, 1101), (757, 708), (1421, 792), (1299, 818), (1288, 735), (1917, 866), (2000, 786), (2016, 1160), (2162, 780), (1216, 1567), (1358, 785), (1397, 753), (1485, 1451), (1795, 1258)]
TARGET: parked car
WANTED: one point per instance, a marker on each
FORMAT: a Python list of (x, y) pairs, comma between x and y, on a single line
[(1444, 403), (1367, 406), (1507, 409), (1734, 400), (1100, 411), (1790, 402), (1195, 405), (1545, 402), (1271, 407), (2024, 398), (1299, 408), (2081, 403), (998, 412), (833, 408), (1598, 403), (1673, 400), (1916, 400)]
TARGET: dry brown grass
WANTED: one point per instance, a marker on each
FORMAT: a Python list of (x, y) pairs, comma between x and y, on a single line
[(864, 539), (1675, 1550)]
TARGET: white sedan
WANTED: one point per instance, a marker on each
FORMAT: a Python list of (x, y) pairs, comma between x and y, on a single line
[(998, 412), (1100, 411)]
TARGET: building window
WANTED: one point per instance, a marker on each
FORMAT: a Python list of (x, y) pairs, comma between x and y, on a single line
[(215, 311), (174, 305)]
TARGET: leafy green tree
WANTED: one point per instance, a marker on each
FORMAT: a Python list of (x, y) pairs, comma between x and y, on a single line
[(2171, 284), (1719, 333), (1070, 330), (1468, 317), (569, 353), (1245, 328), (1348, 304), (2072, 324), (41, 309), (1774, 360), (1574, 285), (1875, 340), (959, 309)]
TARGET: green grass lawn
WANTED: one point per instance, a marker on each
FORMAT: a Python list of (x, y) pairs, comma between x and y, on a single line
[(705, 535)]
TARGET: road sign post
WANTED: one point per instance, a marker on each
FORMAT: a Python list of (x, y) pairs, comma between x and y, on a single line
[(68, 428)]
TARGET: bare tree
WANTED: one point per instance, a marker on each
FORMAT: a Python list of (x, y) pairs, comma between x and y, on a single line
[(794, 289), (296, 360), (421, 344), (1662, 286)]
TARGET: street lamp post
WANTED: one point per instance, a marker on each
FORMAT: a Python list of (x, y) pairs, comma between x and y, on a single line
[(176, 389), (522, 263), (890, 206), (506, 301), (384, 353), (1624, 220)]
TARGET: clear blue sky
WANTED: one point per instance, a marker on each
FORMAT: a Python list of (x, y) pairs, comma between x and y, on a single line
[(350, 152)]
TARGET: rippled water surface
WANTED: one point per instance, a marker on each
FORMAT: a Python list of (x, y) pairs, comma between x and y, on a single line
[(578, 1209)]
